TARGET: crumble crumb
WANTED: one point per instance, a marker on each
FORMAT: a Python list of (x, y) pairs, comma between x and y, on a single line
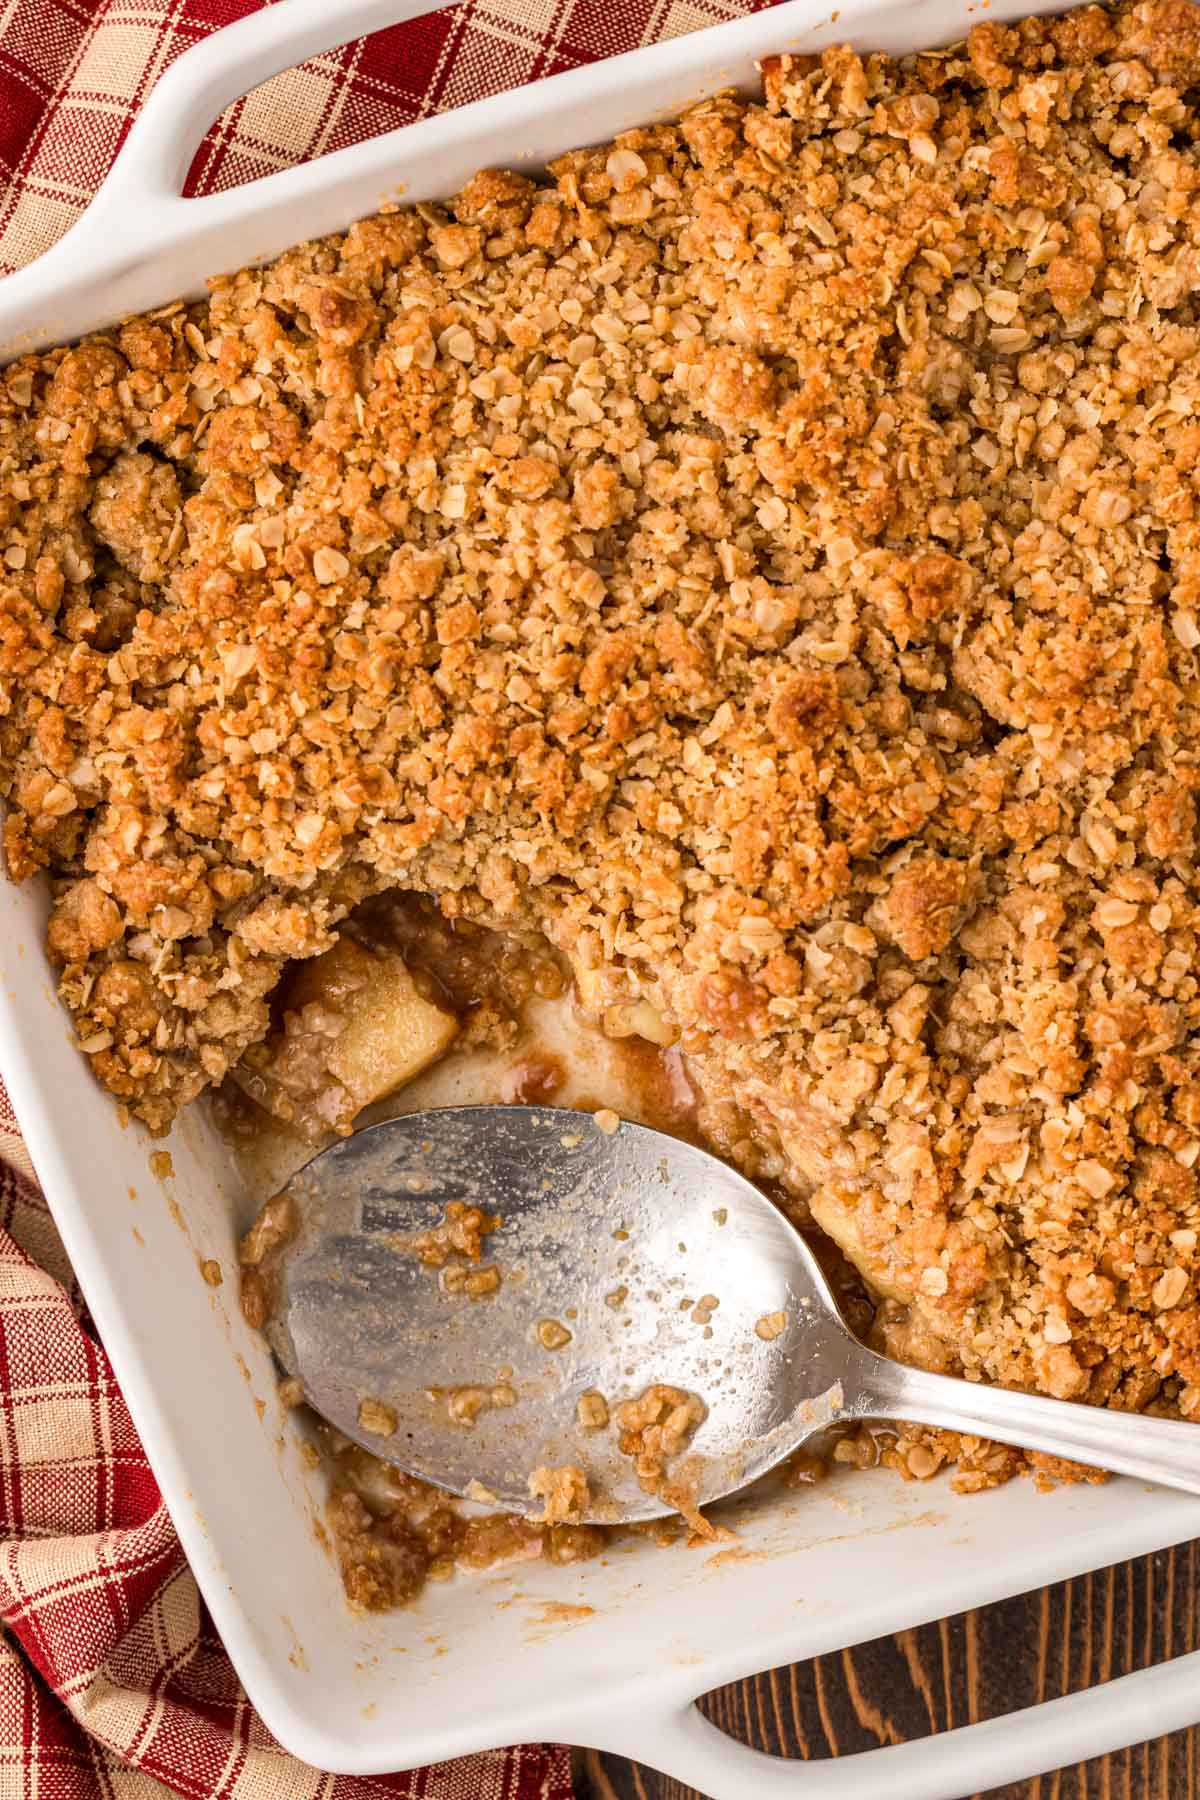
[(377, 1417), (465, 1402), (255, 1298), (475, 1283), (564, 1493), (655, 1429), (459, 1233), (591, 1410), (656, 1426), (275, 1227)]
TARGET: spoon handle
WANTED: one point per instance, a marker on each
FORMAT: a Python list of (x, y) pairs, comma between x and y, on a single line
[(1162, 1450)]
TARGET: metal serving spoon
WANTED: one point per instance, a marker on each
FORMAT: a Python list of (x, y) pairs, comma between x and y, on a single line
[(663, 1265)]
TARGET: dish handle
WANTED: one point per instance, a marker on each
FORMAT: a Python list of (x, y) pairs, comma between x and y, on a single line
[(1055, 1733), (140, 206), (152, 164)]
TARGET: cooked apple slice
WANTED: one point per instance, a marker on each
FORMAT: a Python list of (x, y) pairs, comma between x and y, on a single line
[(355, 1027), (391, 1034)]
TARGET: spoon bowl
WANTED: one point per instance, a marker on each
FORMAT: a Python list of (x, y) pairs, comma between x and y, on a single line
[(660, 1262), (623, 1259)]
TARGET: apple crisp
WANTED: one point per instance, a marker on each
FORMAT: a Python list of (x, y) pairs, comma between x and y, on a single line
[(763, 558)]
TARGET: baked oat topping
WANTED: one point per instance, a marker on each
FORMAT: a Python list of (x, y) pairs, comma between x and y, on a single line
[(764, 559)]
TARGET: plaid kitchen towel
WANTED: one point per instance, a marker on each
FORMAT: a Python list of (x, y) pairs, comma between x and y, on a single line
[(111, 1677)]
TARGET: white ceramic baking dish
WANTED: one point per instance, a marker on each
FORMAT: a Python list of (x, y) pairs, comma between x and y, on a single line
[(611, 1653)]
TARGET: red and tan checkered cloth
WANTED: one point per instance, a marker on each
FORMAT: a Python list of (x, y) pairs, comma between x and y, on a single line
[(111, 1678)]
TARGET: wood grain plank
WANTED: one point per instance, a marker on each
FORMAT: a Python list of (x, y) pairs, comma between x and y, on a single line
[(976, 1665)]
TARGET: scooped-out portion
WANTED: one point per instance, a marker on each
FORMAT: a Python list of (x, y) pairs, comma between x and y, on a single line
[(508, 1028), (515, 1030)]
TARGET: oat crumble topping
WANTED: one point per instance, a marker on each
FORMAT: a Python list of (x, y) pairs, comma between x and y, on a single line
[(765, 560)]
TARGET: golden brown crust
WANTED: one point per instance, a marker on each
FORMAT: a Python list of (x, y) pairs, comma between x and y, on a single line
[(765, 559)]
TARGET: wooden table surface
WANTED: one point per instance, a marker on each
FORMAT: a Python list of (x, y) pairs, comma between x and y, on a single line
[(973, 1666)]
